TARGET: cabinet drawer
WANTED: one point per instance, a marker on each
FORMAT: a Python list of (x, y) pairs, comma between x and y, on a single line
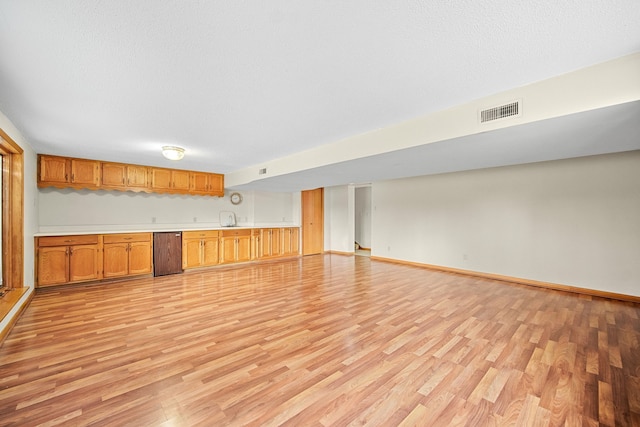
[(86, 239), (126, 238), (199, 234), (233, 233)]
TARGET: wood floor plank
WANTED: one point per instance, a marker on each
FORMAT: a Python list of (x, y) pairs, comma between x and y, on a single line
[(318, 341)]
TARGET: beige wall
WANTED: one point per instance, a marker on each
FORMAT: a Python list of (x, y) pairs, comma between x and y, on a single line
[(572, 222)]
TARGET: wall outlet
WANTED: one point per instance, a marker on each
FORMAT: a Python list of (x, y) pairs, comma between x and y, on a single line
[(153, 220), (465, 257), (195, 219)]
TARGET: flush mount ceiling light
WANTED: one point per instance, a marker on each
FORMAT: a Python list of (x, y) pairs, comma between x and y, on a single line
[(173, 153)]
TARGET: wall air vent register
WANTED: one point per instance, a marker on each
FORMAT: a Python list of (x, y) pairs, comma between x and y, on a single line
[(511, 109)]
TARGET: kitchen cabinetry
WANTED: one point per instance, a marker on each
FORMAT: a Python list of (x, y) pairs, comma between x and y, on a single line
[(290, 241), (123, 176), (206, 183), (68, 172), (68, 259), (81, 258), (199, 248), (235, 246), (270, 242), (127, 254), (172, 180)]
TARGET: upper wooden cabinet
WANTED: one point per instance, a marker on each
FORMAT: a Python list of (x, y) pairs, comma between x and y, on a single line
[(66, 172), (124, 177), (206, 183)]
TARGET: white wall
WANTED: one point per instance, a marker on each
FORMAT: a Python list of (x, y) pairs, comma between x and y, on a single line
[(572, 222), (94, 211), (30, 212), (339, 223), (363, 216), (601, 85)]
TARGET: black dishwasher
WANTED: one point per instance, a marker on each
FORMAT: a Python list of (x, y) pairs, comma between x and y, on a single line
[(167, 253)]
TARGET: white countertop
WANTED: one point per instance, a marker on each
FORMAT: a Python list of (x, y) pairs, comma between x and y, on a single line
[(146, 228)]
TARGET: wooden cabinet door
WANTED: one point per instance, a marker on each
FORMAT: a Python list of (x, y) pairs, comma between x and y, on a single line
[(216, 184), (210, 255), (290, 242), (294, 234), (180, 180), (83, 263), (227, 249), (255, 243), (140, 255), (243, 248), (54, 169), (137, 176), (276, 241), (160, 179), (86, 172), (113, 175), (116, 260), (265, 243), (191, 253), (53, 265), (199, 182)]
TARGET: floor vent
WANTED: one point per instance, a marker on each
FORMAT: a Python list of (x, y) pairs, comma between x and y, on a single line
[(500, 112)]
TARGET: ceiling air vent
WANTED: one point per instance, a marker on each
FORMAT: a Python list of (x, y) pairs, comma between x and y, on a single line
[(500, 112), (262, 171)]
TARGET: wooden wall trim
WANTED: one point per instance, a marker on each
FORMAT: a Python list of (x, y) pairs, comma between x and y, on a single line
[(12, 211), (341, 253), (518, 280), (12, 230), (7, 303)]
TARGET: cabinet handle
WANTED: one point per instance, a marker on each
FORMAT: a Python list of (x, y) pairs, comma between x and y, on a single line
[(123, 181), (66, 176), (69, 241), (73, 177), (128, 238), (70, 251)]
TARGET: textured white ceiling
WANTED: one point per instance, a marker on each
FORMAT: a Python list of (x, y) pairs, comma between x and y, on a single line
[(238, 83)]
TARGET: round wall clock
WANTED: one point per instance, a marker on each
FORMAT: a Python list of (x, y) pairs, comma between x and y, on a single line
[(236, 198)]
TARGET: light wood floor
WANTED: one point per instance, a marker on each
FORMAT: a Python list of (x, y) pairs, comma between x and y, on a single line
[(325, 340)]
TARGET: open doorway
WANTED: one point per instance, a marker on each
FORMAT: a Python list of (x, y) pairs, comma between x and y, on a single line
[(363, 220)]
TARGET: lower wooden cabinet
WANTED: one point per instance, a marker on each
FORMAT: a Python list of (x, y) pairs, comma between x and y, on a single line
[(235, 246), (127, 254), (199, 248), (270, 243), (276, 242), (82, 258), (68, 259), (290, 241)]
